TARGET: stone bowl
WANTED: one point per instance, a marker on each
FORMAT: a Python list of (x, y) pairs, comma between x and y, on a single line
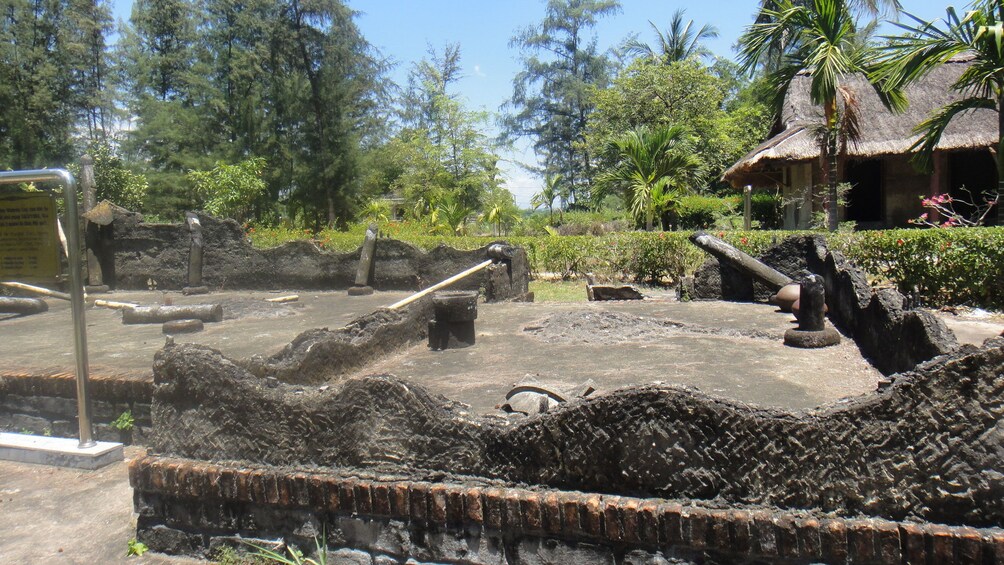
[(786, 296)]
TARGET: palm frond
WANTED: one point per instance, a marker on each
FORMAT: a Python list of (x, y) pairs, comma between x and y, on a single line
[(933, 127)]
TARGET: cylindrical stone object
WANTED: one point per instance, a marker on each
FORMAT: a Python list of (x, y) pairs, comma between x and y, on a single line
[(739, 260), (455, 306), (161, 314), (811, 302), (23, 306)]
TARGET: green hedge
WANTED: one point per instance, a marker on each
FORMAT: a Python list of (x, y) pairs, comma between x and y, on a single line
[(943, 266), (706, 212)]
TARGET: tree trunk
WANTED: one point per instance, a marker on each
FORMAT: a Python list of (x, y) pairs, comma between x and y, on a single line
[(1000, 150), (830, 202), (832, 212)]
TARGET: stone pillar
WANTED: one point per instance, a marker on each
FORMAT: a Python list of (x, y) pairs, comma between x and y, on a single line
[(812, 331), (92, 238), (195, 285), (367, 264)]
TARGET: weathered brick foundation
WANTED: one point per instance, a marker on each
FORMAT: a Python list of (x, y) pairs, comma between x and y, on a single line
[(47, 403), (192, 507)]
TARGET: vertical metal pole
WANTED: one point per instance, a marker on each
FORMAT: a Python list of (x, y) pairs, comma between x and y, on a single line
[(69, 184), (747, 207)]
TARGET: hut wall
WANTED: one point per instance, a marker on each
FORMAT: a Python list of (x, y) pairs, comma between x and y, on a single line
[(798, 196), (904, 186)]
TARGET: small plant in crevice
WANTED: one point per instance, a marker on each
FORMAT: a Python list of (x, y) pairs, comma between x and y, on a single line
[(136, 548), (295, 557), (125, 422)]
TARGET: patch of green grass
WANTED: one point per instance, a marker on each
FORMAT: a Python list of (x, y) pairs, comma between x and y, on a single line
[(558, 291)]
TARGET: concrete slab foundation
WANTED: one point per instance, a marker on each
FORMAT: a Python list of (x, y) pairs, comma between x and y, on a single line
[(58, 451)]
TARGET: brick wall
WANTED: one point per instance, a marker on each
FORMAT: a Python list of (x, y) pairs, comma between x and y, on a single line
[(47, 404), (192, 507)]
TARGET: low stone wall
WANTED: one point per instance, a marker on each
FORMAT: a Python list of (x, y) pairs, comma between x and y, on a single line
[(47, 404), (320, 355), (195, 508), (139, 255), (930, 447), (891, 336)]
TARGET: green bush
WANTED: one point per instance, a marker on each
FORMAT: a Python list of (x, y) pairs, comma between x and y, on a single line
[(697, 212), (941, 266)]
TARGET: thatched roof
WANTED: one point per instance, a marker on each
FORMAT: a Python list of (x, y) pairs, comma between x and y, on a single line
[(882, 132)]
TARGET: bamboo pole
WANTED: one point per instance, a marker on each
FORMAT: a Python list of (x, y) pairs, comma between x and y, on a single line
[(37, 290), (114, 305), (440, 285)]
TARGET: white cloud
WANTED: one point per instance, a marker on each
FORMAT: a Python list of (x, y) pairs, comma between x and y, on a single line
[(478, 72)]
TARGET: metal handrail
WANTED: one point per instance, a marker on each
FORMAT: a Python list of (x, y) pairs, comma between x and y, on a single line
[(69, 184)]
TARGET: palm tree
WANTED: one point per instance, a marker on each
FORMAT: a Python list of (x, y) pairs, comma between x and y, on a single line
[(450, 216), (825, 44), (678, 43), (651, 163), (552, 190), (783, 44), (925, 46)]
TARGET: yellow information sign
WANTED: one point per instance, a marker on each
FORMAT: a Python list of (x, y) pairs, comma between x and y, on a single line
[(29, 242)]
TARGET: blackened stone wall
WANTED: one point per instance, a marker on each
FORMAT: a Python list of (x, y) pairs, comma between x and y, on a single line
[(929, 447), (319, 355), (142, 253), (891, 336)]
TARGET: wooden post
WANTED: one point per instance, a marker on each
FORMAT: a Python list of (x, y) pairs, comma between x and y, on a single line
[(747, 207)]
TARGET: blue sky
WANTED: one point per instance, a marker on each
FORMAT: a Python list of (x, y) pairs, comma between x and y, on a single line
[(403, 29)]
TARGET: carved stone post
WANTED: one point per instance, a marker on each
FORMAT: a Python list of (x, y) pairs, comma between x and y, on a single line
[(812, 331), (195, 285), (367, 264), (92, 238)]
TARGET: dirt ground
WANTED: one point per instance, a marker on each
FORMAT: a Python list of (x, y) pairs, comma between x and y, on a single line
[(53, 515), (57, 515)]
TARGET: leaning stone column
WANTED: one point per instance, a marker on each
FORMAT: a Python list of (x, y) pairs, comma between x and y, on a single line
[(367, 264)]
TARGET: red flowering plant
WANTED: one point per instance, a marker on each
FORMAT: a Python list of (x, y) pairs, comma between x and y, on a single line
[(946, 211)]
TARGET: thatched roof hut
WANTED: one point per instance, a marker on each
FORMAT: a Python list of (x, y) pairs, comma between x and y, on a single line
[(882, 132)]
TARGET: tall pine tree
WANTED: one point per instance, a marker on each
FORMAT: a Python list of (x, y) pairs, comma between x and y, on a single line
[(551, 100)]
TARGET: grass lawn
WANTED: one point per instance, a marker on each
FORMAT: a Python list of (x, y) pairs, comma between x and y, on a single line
[(558, 291)]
